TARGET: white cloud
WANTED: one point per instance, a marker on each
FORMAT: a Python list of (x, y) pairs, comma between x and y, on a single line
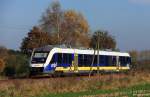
[(140, 1)]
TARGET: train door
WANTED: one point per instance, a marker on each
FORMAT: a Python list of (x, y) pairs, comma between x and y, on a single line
[(75, 62)]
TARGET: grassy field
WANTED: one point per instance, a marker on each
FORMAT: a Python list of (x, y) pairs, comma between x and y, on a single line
[(109, 85), (134, 91)]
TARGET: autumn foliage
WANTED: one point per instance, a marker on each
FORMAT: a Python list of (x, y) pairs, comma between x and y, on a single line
[(140, 60), (58, 26), (2, 65), (35, 38), (106, 41), (3, 57), (76, 29), (66, 26), (13, 63)]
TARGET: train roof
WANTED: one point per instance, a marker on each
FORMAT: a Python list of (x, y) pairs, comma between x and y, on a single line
[(50, 47), (89, 51), (66, 49)]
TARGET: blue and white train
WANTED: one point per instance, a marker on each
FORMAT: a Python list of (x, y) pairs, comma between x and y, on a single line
[(54, 59)]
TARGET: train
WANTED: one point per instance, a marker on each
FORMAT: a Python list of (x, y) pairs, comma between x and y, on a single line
[(58, 59)]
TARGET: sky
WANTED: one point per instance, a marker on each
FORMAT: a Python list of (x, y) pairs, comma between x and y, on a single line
[(127, 20)]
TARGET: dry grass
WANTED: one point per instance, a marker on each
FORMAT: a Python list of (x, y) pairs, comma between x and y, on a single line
[(35, 87)]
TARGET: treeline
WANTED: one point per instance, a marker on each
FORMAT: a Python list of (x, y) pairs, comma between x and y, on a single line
[(13, 63), (140, 60)]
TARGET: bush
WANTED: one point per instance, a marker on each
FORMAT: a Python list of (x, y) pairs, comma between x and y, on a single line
[(16, 64), (2, 65), (22, 66), (143, 65)]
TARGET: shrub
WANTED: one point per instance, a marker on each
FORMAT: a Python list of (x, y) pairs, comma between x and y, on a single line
[(16, 64), (2, 65)]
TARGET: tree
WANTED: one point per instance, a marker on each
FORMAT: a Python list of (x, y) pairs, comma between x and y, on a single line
[(58, 27), (3, 53), (2, 65), (3, 57), (52, 18), (67, 27), (106, 41), (140, 60), (51, 21), (35, 38), (75, 29), (134, 55)]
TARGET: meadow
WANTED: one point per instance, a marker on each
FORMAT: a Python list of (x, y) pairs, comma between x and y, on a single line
[(129, 84)]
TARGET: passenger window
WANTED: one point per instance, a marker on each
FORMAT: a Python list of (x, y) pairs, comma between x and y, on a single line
[(60, 57), (114, 60), (53, 60), (123, 61)]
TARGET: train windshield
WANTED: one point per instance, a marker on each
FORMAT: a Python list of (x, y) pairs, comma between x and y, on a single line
[(39, 57)]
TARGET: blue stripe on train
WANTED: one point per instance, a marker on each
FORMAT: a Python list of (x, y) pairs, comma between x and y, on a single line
[(49, 67)]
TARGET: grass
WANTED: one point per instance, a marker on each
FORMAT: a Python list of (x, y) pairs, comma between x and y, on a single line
[(110, 84), (3, 78), (142, 89)]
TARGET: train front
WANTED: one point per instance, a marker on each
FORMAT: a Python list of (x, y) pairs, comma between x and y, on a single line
[(38, 60)]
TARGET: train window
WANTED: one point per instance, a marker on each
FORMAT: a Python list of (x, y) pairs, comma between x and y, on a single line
[(84, 60), (64, 59), (67, 58), (110, 61), (81, 60), (102, 59), (90, 58), (95, 60), (53, 60), (114, 60), (123, 61), (60, 57), (128, 60), (106, 61)]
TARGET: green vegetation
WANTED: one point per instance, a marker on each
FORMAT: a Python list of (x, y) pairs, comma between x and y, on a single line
[(141, 89), (106, 41), (140, 60), (111, 84), (13, 63), (16, 64)]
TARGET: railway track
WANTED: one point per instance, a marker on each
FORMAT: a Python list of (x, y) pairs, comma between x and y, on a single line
[(38, 78)]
